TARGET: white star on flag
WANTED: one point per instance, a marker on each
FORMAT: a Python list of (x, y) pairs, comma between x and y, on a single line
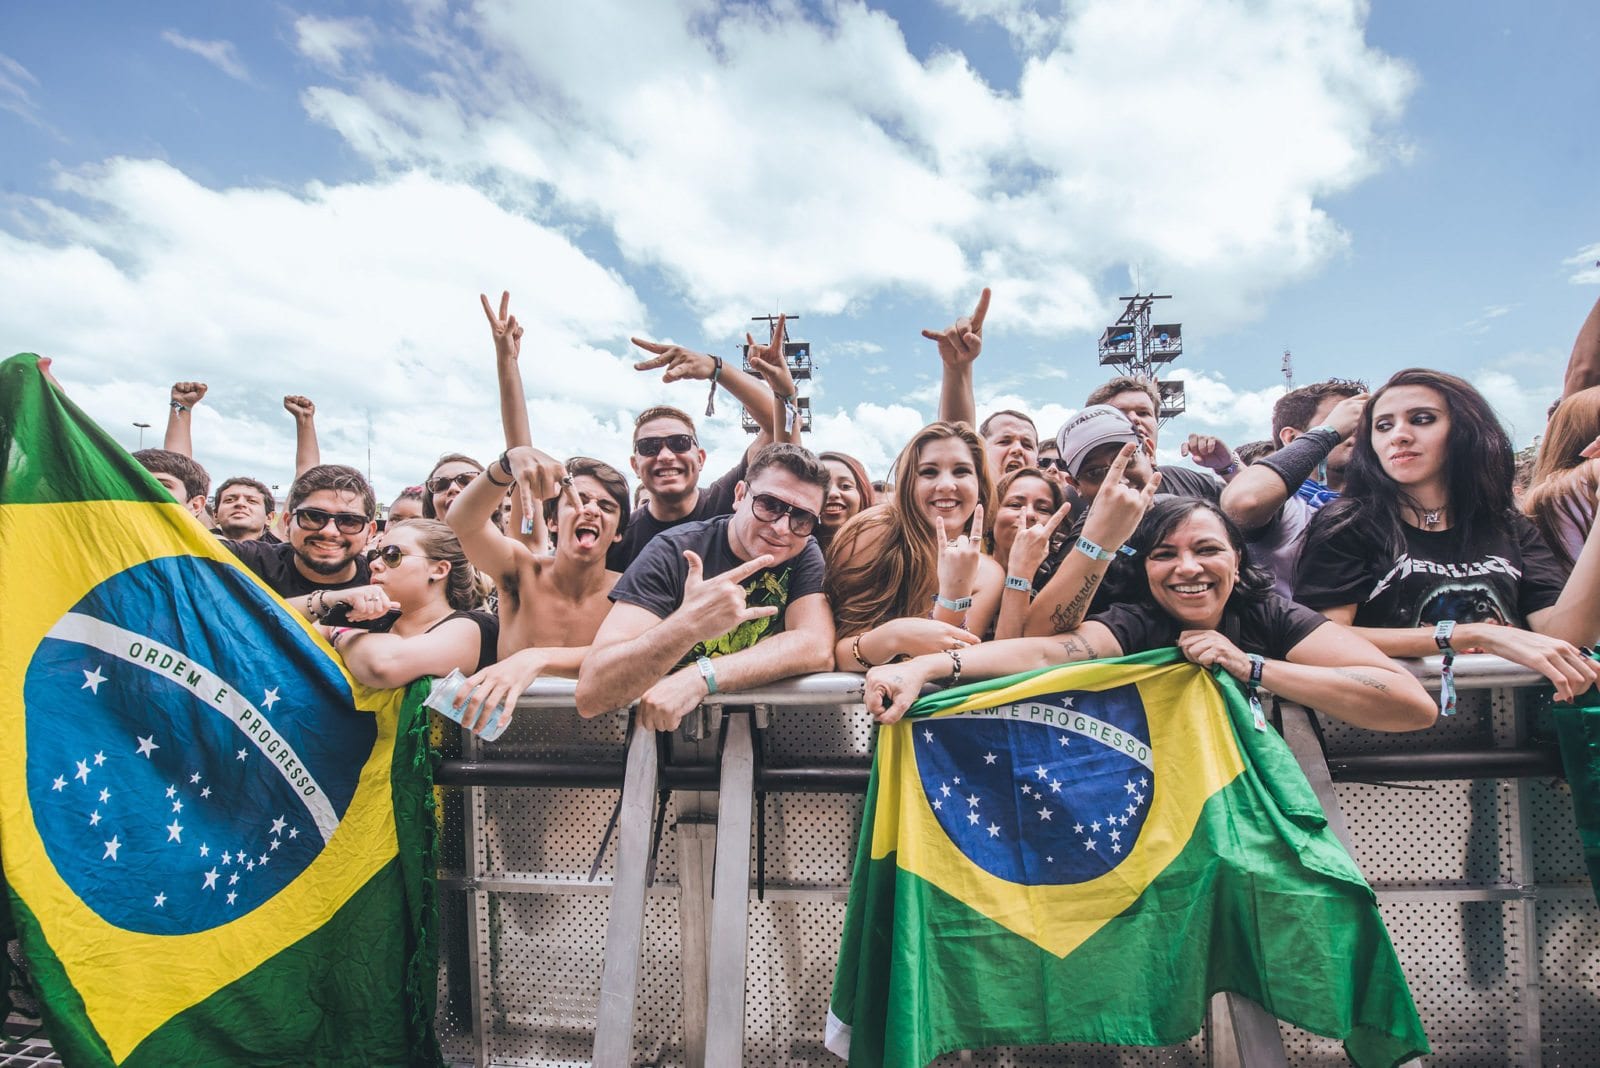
[(232, 896), (988, 758), (273, 845), (227, 858), (944, 788), (1095, 826), (99, 758), (294, 832), (177, 806), (205, 791), (938, 803), (174, 831), (94, 818), (1042, 773), (83, 770), (1077, 828), (205, 850), (927, 735), (234, 878), (211, 879), (195, 778), (1116, 836), (250, 865), (270, 698), (111, 848), (92, 680), (973, 800), (1130, 787), (161, 899), (1045, 813), (1115, 848), (171, 792), (241, 754), (105, 795), (262, 860), (1088, 843), (1055, 786), (994, 830), (147, 745), (1063, 740), (59, 785), (972, 818), (278, 825)]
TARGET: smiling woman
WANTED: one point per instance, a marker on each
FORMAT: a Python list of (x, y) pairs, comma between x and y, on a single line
[(1191, 584)]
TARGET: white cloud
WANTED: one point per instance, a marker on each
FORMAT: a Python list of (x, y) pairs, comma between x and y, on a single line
[(16, 84), (766, 151), (1482, 322), (363, 297), (1585, 264), (327, 42), (220, 54)]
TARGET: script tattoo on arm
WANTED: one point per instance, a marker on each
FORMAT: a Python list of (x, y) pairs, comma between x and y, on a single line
[(1363, 678), (1064, 617)]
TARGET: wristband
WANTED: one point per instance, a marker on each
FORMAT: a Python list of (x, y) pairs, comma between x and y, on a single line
[(955, 666), (1442, 632), (1257, 662), (1231, 470), (1295, 461), (178, 406), (708, 673), (960, 604), (716, 373), (336, 634), (855, 651), (1091, 550), (1017, 582), (488, 473)]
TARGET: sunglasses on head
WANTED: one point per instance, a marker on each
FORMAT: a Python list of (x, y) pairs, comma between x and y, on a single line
[(769, 508), (1047, 463), (678, 443), (389, 554), (315, 519), (440, 483)]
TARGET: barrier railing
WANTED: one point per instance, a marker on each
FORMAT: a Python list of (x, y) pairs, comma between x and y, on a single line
[(714, 751)]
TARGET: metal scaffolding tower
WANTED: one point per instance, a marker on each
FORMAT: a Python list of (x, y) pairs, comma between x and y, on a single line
[(1136, 347), (797, 354)]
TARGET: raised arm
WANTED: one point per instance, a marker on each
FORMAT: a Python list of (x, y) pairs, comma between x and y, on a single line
[(185, 395), (1213, 454), (1255, 494), (507, 333), (683, 364), (1028, 551), (634, 648), (307, 453), (769, 362), (1583, 368), (538, 478), (959, 345)]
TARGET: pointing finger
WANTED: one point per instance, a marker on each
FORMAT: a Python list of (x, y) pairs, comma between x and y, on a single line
[(980, 311), (977, 522), (1055, 521), (570, 492), (933, 335), (1118, 466), (748, 568), (650, 346), (938, 526)]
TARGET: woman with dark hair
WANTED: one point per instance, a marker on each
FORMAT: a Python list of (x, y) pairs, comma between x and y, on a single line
[(908, 576), (1030, 507), (450, 475), (1561, 491), (1191, 584), (1424, 551), (849, 491), (420, 565)]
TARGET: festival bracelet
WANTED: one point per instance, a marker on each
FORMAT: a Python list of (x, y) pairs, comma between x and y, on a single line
[(1252, 688), (960, 604), (1442, 632), (1017, 582), (708, 673)]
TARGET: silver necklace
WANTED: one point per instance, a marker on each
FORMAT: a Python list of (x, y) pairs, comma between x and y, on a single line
[(1431, 519)]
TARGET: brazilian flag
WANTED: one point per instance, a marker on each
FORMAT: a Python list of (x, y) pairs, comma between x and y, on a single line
[(1578, 733), (217, 848), (1086, 854)]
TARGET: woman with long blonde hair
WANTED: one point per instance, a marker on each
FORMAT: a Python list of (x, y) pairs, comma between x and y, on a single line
[(908, 576), (1561, 492)]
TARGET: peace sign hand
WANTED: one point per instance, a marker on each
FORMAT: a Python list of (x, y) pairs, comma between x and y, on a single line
[(1032, 544), (505, 328), (680, 363), (717, 605), (1118, 507), (958, 557), (962, 341)]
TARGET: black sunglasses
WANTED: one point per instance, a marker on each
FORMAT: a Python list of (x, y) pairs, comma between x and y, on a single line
[(440, 483), (390, 555), (678, 443), (769, 508), (315, 519), (1047, 463)]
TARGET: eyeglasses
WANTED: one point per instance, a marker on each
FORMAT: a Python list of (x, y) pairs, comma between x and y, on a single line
[(769, 508), (678, 443), (440, 483), (1048, 463), (389, 554), (315, 519)]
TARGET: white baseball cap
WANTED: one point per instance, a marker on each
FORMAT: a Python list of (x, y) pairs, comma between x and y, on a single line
[(1096, 425)]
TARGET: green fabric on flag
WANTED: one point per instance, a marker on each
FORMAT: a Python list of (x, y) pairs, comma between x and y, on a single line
[(1260, 899), (218, 847), (1578, 732)]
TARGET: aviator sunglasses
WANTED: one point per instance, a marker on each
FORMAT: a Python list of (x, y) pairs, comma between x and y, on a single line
[(678, 443), (768, 508), (315, 519), (440, 483), (389, 554), (1048, 463)]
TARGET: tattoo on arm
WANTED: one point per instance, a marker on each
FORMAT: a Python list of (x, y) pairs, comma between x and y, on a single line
[(1064, 617), (1363, 678), (1076, 648)]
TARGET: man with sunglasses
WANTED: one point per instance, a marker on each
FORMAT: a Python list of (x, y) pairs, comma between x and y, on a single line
[(723, 604), (321, 570)]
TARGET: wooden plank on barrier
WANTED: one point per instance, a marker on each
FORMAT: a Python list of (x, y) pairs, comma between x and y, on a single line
[(730, 902), (619, 979)]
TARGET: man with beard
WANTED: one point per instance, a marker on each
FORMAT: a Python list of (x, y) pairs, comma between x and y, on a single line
[(321, 570), (1274, 498), (243, 511)]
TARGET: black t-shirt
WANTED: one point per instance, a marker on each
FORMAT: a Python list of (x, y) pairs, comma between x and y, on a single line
[(1507, 573), (488, 634), (1269, 627), (715, 499), (267, 536), (656, 579), (274, 564), (1179, 481)]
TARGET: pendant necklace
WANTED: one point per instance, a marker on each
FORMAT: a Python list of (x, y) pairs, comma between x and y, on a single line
[(1431, 519)]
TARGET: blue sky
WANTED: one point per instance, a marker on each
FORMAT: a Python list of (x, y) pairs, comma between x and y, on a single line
[(281, 199)]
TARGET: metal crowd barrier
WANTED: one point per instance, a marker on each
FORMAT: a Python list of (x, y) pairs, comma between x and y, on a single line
[(712, 774)]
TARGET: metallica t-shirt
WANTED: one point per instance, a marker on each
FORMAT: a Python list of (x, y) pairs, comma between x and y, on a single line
[(1505, 574)]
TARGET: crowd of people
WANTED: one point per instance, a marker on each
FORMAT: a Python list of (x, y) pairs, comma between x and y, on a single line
[(1372, 524)]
